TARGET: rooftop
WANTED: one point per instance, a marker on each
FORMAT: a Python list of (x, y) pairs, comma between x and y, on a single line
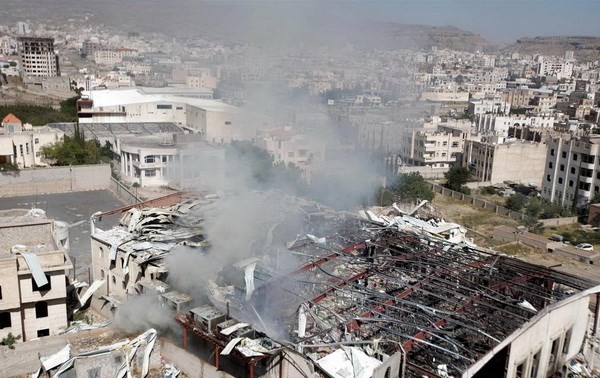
[(128, 96)]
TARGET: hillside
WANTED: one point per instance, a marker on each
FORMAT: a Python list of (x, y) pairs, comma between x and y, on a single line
[(586, 48)]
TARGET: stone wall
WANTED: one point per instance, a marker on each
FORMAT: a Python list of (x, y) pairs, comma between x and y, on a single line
[(54, 180)]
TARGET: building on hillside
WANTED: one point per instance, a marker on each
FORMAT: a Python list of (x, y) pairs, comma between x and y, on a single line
[(33, 279), (497, 163), (215, 121), (37, 57), (572, 173), (21, 145)]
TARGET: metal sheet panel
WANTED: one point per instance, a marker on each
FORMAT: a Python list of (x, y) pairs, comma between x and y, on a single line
[(36, 268)]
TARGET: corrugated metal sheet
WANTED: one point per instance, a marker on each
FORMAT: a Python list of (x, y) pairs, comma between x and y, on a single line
[(36, 268)]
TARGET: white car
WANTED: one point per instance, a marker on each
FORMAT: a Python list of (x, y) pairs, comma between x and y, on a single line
[(585, 247)]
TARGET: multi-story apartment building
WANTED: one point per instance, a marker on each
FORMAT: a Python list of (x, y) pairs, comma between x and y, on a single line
[(496, 163), (33, 282), (562, 70), (572, 172), (37, 57), (439, 148)]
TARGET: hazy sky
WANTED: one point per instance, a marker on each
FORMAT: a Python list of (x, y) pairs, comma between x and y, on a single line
[(495, 20)]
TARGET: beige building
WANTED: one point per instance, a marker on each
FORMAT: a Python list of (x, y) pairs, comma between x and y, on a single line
[(201, 81), (37, 57), (438, 148), (33, 282), (517, 161), (291, 147)]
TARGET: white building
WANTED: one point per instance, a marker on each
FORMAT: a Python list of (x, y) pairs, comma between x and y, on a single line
[(21, 147), (572, 172), (489, 105), (182, 161), (212, 119)]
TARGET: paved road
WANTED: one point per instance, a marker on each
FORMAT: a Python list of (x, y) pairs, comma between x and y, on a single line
[(74, 208)]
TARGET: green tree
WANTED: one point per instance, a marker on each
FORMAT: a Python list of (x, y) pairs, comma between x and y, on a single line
[(456, 178), (516, 202), (411, 187), (534, 207)]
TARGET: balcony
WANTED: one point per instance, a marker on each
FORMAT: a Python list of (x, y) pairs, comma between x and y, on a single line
[(140, 165)]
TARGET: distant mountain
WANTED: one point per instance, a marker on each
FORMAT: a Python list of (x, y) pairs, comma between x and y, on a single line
[(586, 48), (272, 22), (423, 36)]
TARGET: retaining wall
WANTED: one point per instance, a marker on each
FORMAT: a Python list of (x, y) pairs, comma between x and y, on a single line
[(54, 180)]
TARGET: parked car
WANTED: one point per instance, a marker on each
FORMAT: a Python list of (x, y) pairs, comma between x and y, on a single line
[(585, 246), (557, 237)]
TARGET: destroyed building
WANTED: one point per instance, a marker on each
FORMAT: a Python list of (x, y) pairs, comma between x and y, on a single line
[(33, 274), (337, 294)]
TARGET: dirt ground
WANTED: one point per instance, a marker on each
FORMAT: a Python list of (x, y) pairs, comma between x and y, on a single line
[(480, 225)]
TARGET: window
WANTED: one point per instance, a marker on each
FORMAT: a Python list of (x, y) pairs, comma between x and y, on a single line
[(567, 341), (101, 252), (520, 369), (564, 154), (535, 364), (552, 152), (149, 159), (37, 154), (36, 141), (573, 170), (5, 321), (179, 108), (575, 157), (562, 167), (122, 263), (455, 144), (560, 180), (553, 353), (164, 159), (150, 172), (27, 148), (114, 280), (46, 287), (548, 178), (160, 106), (228, 122), (290, 154), (43, 332), (0, 292), (41, 310), (550, 165), (571, 183), (102, 274), (21, 149)]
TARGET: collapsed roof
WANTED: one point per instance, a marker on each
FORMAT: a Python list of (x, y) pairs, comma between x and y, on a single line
[(404, 284)]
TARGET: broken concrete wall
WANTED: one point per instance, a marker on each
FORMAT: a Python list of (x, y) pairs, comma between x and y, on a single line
[(188, 363)]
